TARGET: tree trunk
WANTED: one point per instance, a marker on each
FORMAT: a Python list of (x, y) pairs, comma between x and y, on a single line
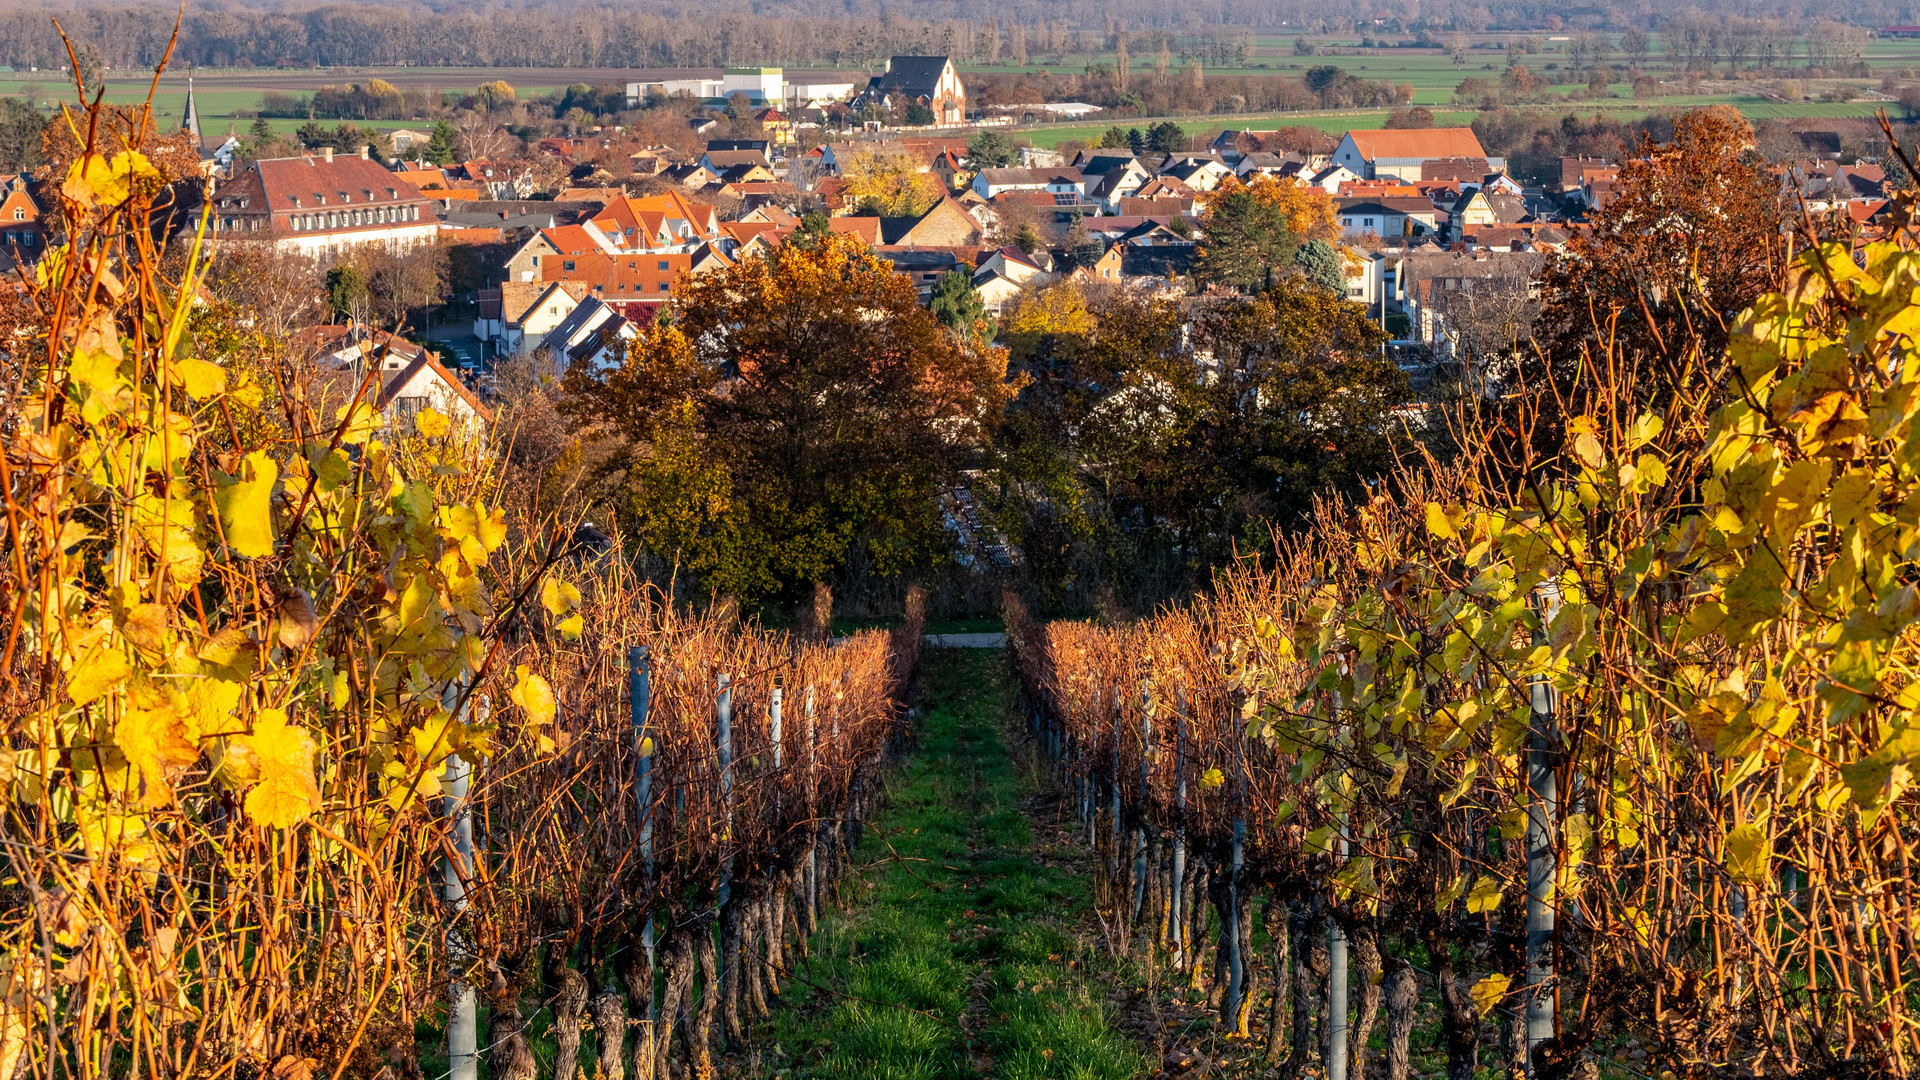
[(1320, 962), (1403, 1001), (569, 1003), (1513, 1036), (1276, 919), (639, 980), (1459, 1022), (700, 1053), (1249, 971), (1300, 924), (610, 1025), (732, 925), (679, 964), (1365, 965), (508, 1056)]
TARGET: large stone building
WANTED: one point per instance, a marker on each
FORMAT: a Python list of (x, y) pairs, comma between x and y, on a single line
[(318, 204)]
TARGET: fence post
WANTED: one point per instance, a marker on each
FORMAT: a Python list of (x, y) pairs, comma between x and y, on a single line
[(463, 1020), (813, 807), (640, 701), (1542, 861), (1179, 875), (1113, 871), (1140, 821), (1337, 982)]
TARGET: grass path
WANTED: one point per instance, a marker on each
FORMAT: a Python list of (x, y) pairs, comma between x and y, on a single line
[(959, 950)]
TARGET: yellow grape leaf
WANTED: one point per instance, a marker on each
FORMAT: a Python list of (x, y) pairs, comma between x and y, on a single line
[(1444, 897), (153, 741), (209, 703), (430, 423), (493, 528), (246, 508), (558, 597), (286, 793), (532, 693), (1488, 991), (1211, 779), (1437, 523), (203, 379), (1485, 895), (95, 675), (247, 392), (571, 626), (1585, 446), (146, 626), (646, 747), (360, 426), (1747, 853), (94, 180), (1512, 824), (95, 370)]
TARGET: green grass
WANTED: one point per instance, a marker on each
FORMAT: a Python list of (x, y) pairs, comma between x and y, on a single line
[(960, 952)]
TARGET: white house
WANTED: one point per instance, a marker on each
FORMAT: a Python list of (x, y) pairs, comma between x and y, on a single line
[(519, 314), (1400, 152), (1065, 181), (409, 377)]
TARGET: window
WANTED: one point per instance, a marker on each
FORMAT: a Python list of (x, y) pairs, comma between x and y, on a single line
[(569, 264), (1367, 223), (664, 287), (663, 264), (19, 214)]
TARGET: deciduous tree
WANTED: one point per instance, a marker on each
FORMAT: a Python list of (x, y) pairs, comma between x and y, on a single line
[(791, 411)]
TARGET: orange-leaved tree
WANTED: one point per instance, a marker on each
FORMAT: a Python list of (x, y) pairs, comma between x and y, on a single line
[(793, 412)]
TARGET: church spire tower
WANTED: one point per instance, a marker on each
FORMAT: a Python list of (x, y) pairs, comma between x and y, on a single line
[(190, 119)]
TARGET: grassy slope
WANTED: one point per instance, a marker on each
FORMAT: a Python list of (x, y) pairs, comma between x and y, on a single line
[(959, 953)]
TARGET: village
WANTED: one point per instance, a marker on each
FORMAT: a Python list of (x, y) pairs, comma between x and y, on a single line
[(572, 259)]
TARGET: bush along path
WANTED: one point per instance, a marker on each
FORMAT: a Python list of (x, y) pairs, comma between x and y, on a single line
[(962, 944)]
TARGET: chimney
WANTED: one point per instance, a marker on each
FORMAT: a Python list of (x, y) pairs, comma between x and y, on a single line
[(326, 154), (363, 153)]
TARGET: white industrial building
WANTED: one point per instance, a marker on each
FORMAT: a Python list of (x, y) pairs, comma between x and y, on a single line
[(761, 85)]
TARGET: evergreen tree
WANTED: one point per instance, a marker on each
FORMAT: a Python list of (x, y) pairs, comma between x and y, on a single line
[(1114, 139), (1322, 265), (955, 301), (1246, 238), (1166, 137), (440, 147), (1136, 142), (992, 150)]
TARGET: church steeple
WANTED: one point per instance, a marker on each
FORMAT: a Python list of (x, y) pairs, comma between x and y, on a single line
[(190, 119)]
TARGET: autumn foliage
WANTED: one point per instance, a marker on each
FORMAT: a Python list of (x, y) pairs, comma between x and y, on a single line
[(254, 649), (793, 412), (1696, 617)]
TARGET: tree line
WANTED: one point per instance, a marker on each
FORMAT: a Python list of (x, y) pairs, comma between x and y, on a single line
[(721, 32)]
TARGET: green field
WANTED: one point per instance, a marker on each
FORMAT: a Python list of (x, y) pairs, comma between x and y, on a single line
[(226, 96)]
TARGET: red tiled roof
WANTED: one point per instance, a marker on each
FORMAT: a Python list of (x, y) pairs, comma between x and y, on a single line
[(1417, 143)]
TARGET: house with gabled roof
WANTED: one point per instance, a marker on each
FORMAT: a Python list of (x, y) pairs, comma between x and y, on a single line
[(21, 234), (526, 310), (409, 376), (595, 335), (1404, 152), (931, 81), (1066, 185), (317, 204)]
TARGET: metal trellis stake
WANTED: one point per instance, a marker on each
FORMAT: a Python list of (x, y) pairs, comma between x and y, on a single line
[(463, 1022), (640, 700), (1542, 861)]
